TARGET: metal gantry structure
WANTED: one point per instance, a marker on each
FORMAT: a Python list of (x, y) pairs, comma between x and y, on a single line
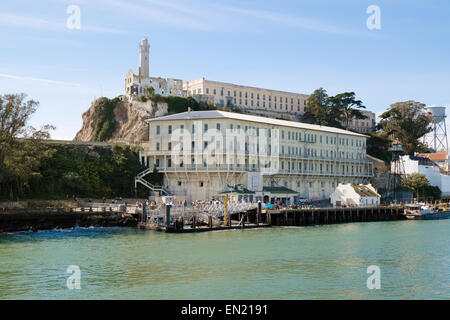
[(396, 172)]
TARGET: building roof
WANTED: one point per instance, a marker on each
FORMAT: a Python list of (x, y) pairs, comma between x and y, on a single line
[(278, 190), (423, 161), (369, 157), (239, 189), (434, 156), (364, 191), (217, 114)]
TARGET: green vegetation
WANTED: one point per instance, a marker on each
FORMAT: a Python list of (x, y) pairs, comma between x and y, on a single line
[(84, 171), (177, 104), (336, 111), (31, 167), (89, 172), (105, 123), (420, 185), (407, 122), (378, 145)]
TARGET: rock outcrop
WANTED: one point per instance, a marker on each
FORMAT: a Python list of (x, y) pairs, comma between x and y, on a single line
[(129, 117)]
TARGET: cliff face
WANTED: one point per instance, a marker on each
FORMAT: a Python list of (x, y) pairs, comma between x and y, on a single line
[(128, 117)]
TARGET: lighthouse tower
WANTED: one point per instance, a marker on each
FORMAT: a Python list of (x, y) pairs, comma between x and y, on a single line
[(144, 53)]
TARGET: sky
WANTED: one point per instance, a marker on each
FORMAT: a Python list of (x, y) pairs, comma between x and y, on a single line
[(287, 45)]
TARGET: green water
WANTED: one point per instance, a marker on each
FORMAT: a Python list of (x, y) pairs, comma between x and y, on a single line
[(323, 262)]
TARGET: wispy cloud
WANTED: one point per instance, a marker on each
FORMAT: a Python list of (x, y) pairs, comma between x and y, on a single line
[(213, 16), (41, 80), (31, 22), (295, 21)]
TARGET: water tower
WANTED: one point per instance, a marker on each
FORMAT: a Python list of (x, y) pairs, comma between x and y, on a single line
[(439, 139)]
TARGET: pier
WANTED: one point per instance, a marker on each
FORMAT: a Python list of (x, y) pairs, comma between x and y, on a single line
[(320, 216), (188, 221), (259, 218)]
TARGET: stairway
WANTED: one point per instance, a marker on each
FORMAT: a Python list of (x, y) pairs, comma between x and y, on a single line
[(140, 179)]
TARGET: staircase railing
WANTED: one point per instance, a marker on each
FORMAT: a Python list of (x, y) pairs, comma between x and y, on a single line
[(140, 179)]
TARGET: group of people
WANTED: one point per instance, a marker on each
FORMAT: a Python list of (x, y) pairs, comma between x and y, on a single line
[(116, 200)]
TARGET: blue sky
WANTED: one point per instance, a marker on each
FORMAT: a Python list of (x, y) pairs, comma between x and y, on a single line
[(287, 45)]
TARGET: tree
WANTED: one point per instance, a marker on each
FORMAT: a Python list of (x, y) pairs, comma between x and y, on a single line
[(21, 150), (378, 145), (415, 182), (432, 192), (407, 122), (150, 92), (319, 110), (348, 107)]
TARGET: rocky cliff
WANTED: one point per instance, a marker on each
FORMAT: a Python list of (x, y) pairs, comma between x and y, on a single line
[(119, 121)]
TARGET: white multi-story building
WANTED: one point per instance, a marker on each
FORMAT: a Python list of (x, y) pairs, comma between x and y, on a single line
[(201, 153), (137, 84), (245, 97)]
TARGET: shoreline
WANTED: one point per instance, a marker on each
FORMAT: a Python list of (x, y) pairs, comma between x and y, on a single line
[(49, 220)]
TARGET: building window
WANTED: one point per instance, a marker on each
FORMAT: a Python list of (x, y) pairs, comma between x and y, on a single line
[(169, 129), (179, 183), (169, 163), (158, 130), (201, 184), (169, 146), (157, 146)]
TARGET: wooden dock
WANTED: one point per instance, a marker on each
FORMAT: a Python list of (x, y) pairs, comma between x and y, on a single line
[(267, 218), (320, 216), (200, 223), (190, 229)]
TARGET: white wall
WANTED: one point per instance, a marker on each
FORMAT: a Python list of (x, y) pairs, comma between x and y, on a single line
[(432, 173)]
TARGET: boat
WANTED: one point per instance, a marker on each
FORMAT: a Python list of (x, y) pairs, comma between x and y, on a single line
[(421, 211)]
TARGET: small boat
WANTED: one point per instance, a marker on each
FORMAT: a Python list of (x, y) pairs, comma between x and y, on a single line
[(420, 211)]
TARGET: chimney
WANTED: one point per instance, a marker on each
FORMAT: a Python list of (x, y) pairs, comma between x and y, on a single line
[(189, 112)]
